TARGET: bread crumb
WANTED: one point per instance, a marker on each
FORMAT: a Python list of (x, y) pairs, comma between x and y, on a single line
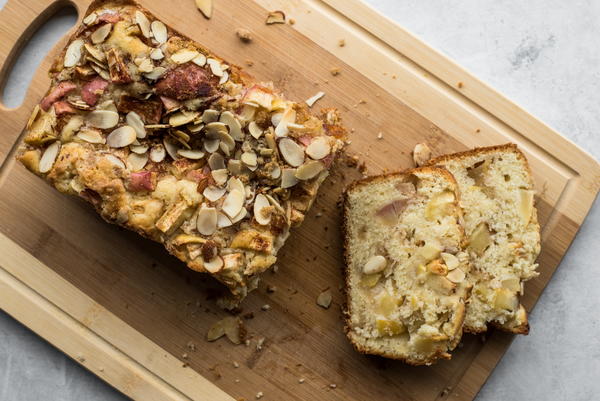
[(380, 135), (333, 385), (275, 17), (324, 299), (301, 380), (260, 343), (259, 395), (335, 71), (244, 35), (394, 76), (460, 84), (292, 21), (341, 43), (236, 364), (271, 288), (477, 130), (265, 307), (249, 62), (191, 346)]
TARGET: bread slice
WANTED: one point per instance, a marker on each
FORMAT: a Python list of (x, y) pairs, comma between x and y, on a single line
[(405, 267), (501, 224)]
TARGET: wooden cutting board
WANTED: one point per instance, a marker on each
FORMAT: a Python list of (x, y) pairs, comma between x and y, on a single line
[(137, 318)]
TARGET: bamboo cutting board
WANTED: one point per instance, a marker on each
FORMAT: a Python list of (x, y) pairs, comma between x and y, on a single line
[(128, 312)]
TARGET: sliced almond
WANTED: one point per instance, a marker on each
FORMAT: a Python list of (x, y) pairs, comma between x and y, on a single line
[(49, 157), (276, 172), (450, 260), (213, 194), (171, 149), (103, 119), (254, 130), (235, 128), (191, 154), (215, 67), (115, 161), (71, 127), (313, 99), (210, 116), (205, 7), (456, 276), (96, 53), (157, 153), (182, 118), (139, 149), (136, 161), (146, 65), (375, 264), (73, 53), (159, 30), (200, 60), (309, 170), (223, 221), (134, 120), (156, 73), (233, 203), (240, 216), (206, 222), (235, 167), (227, 143), (234, 184), (288, 177), (288, 117), (220, 176), (100, 34), (211, 145), (260, 203), (526, 198), (214, 265), (292, 153), (121, 137), (275, 17), (157, 54), (184, 56), (249, 159), (319, 148), (224, 78), (216, 161), (143, 22), (90, 19), (324, 299), (90, 135), (33, 116)]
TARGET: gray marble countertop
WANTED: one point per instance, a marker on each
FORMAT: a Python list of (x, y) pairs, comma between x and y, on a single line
[(544, 55)]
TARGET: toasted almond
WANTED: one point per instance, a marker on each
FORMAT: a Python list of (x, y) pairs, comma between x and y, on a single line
[(157, 153), (96, 53), (309, 170), (191, 154), (211, 145), (90, 135), (276, 118), (313, 99), (115, 161), (235, 183), (450, 260), (143, 22), (134, 120), (276, 172), (156, 73), (213, 194), (71, 127), (288, 117), (136, 161), (375, 264), (216, 161), (227, 143), (184, 56), (254, 130), (275, 17), (215, 129), (73, 53), (206, 221), (233, 203), (215, 67), (214, 265), (49, 157), (171, 149), (159, 30), (121, 137), (157, 54), (318, 148), (249, 159), (235, 167), (33, 116), (146, 66), (235, 128), (101, 71), (200, 60), (223, 221), (103, 119), (292, 153), (205, 7), (138, 149), (260, 203), (456, 276), (324, 299), (288, 177), (100, 34), (182, 118), (90, 19), (220, 176), (240, 216)]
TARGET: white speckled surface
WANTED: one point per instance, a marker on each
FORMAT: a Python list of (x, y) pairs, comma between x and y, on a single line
[(544, 55)]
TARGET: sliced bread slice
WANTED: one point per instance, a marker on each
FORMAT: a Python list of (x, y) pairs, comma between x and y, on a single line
[(500, 220), (405, 267)]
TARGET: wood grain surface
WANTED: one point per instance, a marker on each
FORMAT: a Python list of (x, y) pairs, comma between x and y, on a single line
[(129, 312)]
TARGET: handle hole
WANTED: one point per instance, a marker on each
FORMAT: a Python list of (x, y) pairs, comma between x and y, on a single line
[(33, 51)]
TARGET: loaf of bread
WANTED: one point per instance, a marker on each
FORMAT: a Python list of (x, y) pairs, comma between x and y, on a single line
[(502, 229), (405, 268)]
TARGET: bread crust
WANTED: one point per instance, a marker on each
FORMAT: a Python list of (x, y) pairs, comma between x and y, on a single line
[(346, 312)]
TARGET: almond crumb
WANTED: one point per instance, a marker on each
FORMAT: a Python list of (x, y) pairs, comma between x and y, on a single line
[(335, 71), (275, 17), (259, 395), (244, 35), (302, 380), (341, 43)]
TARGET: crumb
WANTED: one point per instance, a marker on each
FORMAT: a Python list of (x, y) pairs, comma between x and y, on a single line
[(248, 316), (259, 395), (335, 71), (275, 268), (292, 21), (236, 364), (341, 43), (260, 343), (81, 358), (394, 76), (101, 369), (302, 380), (244, 35), (362, 101), (319, 214), (185, 356), (271, 288), (478, 130), (249, 63), (236, 381), (385, 73), (333, 385), (460, 84), (380, 135), (265, 307), (191, 346)]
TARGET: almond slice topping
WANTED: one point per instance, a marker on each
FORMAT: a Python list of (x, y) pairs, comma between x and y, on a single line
[(143, 22), (450, 260), (159, 30), (213, 194), (157, 153), (288, 178), (100, 34), (319, 148), (121, 137), (249, 159), (254, 130), (275, 17), (288, 117), (312, 100), (157, 54), (200, 60), (234, 203), (456, 276), (73, 53), (206, 223), (184, 55), (171, 149), (215, 67), (205, 7), (235, 128), (134, 120), (216, 161), (136, 161), (214, 265), (309, 170), (220, 176), (103, 119), (223, 221), (90, 135), (260, 203), (190, 154), (49, 157), (292, 153)]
